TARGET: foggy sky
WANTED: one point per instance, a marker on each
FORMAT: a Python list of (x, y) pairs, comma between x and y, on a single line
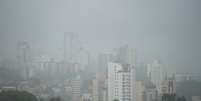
[(168, 30)]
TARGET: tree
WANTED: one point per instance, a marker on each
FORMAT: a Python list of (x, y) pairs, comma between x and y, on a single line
[(17, 96), (181, 99), (55, 99)]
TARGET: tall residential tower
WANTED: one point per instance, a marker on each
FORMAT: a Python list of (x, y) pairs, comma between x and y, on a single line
[(120, 82)]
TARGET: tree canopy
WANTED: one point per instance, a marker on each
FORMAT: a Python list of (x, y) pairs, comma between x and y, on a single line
[(16, 96)]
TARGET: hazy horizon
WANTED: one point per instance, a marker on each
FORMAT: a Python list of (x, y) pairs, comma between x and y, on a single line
[(169, 30)]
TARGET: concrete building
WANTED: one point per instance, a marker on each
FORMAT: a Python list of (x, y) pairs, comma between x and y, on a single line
[(103, 60), (150, 92), (168, 89), (179, 76), (24, 58), (99, 87), (156, 74), (95, 90), (120, 82), (127, 55), (140, 91), (87, 97), (76, 92), (168, 86)]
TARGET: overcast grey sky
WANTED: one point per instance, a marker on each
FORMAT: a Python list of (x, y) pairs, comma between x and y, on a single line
[(169, 30)]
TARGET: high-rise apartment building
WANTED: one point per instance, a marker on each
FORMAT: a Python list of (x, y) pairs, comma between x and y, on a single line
[(76, 93), (140, 91), (168, 89), (99, 91), (120, 82), (126, 55), (24, 58), (156, 74), (103, 60), (95, 90)]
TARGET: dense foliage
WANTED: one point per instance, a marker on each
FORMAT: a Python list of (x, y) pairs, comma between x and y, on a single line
[(17, 96)]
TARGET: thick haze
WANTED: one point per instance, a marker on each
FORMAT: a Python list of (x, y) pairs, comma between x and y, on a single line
[(168, 30)]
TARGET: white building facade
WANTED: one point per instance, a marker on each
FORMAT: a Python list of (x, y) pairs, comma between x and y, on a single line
[(156, 74), (120, 82)]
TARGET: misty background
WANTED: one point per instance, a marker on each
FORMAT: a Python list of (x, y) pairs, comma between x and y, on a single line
[(168, 30)]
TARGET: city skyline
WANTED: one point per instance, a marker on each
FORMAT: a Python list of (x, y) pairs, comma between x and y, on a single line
[(100, 50), (168, 31)]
